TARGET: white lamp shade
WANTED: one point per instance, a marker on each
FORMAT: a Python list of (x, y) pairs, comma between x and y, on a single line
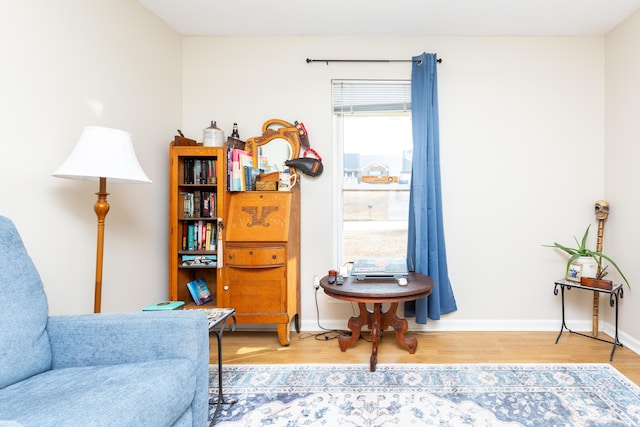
[(103, 153)]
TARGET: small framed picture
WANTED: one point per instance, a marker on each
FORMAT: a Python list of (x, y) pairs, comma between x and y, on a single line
[(575, 272)]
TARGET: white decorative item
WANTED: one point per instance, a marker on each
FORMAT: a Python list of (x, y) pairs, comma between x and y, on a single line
[(213, 136), (286, 181), (585, 266)]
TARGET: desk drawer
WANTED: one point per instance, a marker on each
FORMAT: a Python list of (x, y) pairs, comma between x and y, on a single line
[(255, 257)]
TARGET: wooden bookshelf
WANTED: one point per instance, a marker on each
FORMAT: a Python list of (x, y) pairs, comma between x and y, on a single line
[(195, 201)]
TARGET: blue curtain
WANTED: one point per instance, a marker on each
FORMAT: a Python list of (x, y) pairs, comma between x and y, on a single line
[(426, 251)]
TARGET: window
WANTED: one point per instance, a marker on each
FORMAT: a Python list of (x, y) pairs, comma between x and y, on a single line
[(374, 140)]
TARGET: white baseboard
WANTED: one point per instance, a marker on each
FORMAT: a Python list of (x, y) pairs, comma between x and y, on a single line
[(465, 325)]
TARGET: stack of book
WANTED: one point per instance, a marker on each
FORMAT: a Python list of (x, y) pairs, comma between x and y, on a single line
[(199, 235), (200, 171), (241, 174), (199, 204)]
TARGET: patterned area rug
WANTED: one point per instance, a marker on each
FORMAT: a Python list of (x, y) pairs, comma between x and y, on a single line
[(421, 395)]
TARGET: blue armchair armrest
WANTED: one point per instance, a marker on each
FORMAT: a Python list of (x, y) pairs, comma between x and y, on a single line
[(113, 338)]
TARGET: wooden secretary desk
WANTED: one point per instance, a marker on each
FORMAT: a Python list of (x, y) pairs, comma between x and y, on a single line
[(261, 273), (254, 258), (262, 259)]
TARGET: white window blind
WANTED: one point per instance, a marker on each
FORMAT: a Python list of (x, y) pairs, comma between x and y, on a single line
[(362, 96)]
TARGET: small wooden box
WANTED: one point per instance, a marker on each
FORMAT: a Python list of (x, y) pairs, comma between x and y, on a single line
[(235, 143), (181, 140), (266, 186), (596, 283)]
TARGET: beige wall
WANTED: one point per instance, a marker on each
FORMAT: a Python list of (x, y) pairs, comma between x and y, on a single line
[(522, 137), (65, 65)]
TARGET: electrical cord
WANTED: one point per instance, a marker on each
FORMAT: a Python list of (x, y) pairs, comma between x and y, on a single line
[(326, 334)]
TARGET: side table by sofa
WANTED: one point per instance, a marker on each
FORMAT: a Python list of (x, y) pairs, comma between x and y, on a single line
[(218, 318)]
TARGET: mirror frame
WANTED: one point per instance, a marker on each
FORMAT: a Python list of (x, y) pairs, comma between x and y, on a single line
[(275, 129)]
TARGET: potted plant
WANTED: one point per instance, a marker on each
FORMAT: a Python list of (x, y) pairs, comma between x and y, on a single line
[(575, 254)]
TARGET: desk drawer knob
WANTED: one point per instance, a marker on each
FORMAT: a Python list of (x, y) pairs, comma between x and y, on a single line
[(226, 288)]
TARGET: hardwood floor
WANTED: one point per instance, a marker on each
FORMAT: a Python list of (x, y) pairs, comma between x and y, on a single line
[(433, 347)]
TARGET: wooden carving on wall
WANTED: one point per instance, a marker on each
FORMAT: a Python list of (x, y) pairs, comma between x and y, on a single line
[(602, 212)]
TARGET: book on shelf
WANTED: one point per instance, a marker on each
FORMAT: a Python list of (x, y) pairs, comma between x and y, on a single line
[(199, 171), (206, 204), (199, 291), (187, 171), (241, 173), (199, 204), (199, 260), (190, 236), (202, 244), (208, 208), (199, 235), (263, 163), (228, 171), (251, 176), (188, 208), (246, 163), (207, 246), (238, 160), (165, 305)]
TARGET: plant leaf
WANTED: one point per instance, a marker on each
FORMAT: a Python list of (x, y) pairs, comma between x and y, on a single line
[(599, 254), (568, 250), (583, 245)]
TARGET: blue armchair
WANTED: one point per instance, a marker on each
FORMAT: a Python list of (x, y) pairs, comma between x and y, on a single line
[(129, 369)]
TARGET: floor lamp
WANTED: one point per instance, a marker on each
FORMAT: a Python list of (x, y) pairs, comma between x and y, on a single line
[(101, 154)]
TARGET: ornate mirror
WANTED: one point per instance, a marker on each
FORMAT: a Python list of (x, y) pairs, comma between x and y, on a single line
[(278, 143)]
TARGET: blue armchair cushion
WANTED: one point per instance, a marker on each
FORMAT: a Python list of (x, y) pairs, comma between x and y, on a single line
[(151, 393), (25, 349)]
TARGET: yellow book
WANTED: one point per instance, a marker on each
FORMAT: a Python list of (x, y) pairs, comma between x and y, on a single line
[(208, 237)]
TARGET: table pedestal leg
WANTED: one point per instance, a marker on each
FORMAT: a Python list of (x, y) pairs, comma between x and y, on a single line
[(355, 325), (376, 333), (400, 326), (377, 322)]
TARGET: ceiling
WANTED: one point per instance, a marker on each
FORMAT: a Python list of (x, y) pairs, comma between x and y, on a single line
[(397, 17)]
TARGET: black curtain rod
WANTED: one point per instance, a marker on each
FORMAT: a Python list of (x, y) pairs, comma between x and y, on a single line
[(309, 61)]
